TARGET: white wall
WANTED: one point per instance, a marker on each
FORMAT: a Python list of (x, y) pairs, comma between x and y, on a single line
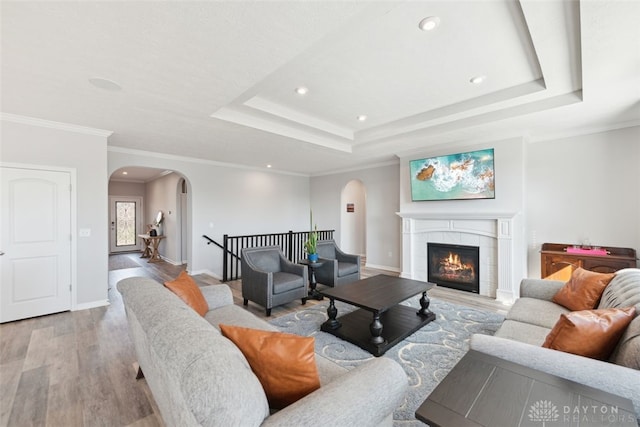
[(388, 192), (130, 189), (509, 181), (509, 195), (41, 143), (565, 191), (583, 188), (383, 225), (353, 224), (161, 195), (228, 200), (587, 186)]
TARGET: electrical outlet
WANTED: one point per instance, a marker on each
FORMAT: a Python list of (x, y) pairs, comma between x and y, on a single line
[(84, 232)]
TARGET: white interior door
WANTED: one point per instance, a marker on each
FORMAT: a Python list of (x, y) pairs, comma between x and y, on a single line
[(125, 223), (35, 242)]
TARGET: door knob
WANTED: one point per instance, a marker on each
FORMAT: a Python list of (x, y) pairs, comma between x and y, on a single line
[(1, 253)]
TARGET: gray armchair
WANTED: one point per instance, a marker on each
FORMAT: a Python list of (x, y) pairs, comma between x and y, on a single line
[(338, 267), (269, 279)]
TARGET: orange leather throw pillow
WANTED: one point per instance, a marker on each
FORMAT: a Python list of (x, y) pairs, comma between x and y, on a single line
[(187, 289), (583, 290), (590, 333), (285, 364)]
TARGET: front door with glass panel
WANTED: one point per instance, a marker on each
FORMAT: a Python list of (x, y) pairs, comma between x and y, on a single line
[(125, 223)]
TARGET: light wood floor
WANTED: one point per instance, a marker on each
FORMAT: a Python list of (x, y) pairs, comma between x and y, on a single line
[(78, 368)]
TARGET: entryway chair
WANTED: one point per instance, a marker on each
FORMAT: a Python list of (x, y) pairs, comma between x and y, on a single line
[(269, 279), (338, 267)]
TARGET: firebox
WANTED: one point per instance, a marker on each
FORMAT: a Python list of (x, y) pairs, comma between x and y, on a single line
[(454, 266)]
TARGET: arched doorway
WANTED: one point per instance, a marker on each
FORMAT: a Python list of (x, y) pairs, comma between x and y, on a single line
[(154, 190), (353, 218)]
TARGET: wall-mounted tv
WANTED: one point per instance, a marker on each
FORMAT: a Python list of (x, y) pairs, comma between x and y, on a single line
[(453, 177)]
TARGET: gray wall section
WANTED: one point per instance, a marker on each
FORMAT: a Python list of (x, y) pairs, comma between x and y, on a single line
[(86, 153), (567, 189), (583, 188), (381, 183)]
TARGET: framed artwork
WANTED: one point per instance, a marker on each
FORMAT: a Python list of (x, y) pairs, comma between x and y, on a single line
[(350, 207), (453, 177)]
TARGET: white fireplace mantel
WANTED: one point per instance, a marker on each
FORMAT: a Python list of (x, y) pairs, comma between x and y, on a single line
[(496, 227), (458, 215)]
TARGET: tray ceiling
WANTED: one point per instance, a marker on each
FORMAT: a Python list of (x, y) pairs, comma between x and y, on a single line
[(218, 80)]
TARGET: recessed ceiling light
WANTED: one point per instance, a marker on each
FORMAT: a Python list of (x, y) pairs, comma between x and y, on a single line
[(429, 23), (478, 79), (105, 84), (268, 166), (125, 173), (301, 90), (362, 118)]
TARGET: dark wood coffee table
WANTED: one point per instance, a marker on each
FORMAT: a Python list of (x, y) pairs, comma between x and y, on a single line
[(483, 390), (380, 322)]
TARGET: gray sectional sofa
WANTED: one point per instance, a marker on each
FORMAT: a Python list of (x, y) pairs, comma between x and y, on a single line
[(532, 317), (198, 377)]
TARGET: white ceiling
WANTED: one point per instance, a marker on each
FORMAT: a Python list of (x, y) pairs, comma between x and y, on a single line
[(215, 80)]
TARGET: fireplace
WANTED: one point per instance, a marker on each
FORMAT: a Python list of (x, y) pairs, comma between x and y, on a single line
[(454, 266)]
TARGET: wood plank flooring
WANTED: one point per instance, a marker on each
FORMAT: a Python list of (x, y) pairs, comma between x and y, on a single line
[(78, 368)]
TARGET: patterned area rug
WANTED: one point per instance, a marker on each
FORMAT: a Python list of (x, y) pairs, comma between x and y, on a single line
[(426, 356)]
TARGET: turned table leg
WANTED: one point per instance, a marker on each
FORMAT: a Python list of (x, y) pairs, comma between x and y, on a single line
[(424, 305), (376, 329), (332, 312)]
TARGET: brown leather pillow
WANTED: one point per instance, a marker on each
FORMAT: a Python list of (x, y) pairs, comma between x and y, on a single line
[(590, 333), (583, 290), (187, 289), (285, 364)]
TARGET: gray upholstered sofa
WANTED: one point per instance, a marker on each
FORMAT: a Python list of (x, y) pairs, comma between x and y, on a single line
[(198, 377), (532, 317)]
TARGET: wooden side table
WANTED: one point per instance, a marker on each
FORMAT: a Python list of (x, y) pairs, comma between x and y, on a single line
[(557, 256), (151, 244)]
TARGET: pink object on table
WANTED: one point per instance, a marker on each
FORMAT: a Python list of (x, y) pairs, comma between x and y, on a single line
[(599, 252)]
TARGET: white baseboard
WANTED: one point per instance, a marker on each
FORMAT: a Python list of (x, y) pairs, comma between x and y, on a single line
[(382, 267), (170, 261), (207, 272), (88, 305)]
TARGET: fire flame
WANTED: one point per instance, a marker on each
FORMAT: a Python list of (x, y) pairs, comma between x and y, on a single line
[(453, 264)]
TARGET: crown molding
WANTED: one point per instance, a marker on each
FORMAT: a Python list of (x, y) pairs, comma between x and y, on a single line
[(32, 121), (358, 168), (114, 149), (571, 133)]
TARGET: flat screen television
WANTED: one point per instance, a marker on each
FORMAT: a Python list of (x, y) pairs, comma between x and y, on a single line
[(453, 177)]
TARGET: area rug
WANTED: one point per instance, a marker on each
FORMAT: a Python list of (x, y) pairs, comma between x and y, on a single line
[(426, 356), (119, 262)]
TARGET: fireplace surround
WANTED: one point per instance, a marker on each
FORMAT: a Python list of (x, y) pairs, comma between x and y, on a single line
[(498, 235)]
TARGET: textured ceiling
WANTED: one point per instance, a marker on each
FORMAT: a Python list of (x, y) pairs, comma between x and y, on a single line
[(216, 80)]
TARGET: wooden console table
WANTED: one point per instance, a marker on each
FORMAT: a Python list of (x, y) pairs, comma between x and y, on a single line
[(151, 244), (483, 390), (554, 257)]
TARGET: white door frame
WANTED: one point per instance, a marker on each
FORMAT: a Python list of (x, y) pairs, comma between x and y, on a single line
[(139, 221), (74, 218)]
